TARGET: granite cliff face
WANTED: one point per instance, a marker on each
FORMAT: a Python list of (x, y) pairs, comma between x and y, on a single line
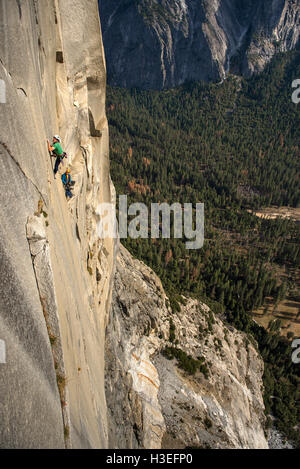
[(155, 44), (83, 332), (154, 403), (55, 272)]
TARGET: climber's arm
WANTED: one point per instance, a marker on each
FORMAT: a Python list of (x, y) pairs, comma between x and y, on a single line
[(49, 146)]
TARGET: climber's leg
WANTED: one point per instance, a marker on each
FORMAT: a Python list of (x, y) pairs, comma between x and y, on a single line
[(57, 163)]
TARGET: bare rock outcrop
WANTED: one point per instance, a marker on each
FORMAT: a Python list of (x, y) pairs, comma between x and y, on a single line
[(57, 276), (153, 399), (132, 382)]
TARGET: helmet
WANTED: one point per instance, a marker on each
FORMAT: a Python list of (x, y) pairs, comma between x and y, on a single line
[(67, 170), (57, 137)]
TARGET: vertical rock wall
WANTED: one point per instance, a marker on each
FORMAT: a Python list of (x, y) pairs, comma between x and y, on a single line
[(53, 66)]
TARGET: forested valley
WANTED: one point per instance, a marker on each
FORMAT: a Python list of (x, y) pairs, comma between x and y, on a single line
[(235, 147)]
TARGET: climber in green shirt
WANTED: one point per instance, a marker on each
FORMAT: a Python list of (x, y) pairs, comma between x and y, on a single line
[(56, 151)]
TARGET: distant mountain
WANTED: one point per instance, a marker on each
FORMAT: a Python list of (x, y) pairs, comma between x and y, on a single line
[(163, 43)]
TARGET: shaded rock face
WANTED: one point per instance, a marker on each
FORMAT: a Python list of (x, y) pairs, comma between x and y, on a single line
[(134, 414), (156, 44), (152, 402), (55, 272)]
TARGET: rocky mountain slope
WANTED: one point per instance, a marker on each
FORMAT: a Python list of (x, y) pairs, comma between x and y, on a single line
[(155, 44), (154, 398), (83, 343), (55, 272)]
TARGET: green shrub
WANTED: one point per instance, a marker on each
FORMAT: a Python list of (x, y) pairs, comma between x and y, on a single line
[(185, 361)]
